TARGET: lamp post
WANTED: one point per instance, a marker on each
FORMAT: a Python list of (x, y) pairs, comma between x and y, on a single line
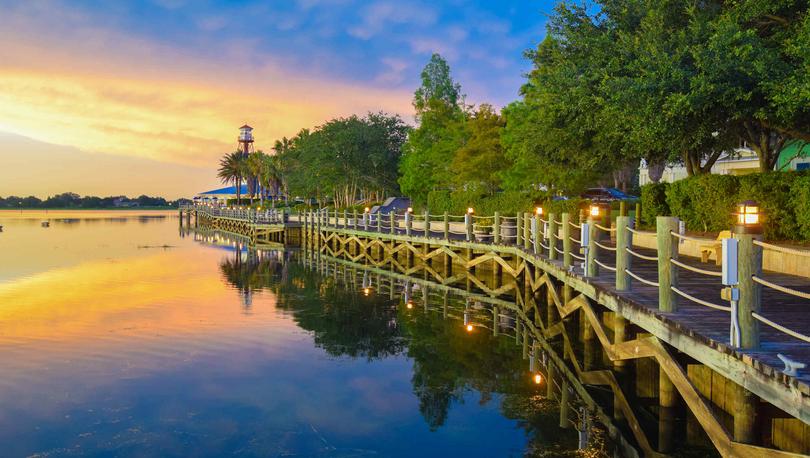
[(747, 230), (468, 223)]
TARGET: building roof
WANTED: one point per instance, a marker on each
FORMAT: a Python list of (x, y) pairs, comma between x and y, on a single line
[(246, 127), (229, 191), (793, 149)]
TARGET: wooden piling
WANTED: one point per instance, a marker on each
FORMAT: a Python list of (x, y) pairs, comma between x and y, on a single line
[(667, 273), (624, 240), (566, 239), (749, 265)]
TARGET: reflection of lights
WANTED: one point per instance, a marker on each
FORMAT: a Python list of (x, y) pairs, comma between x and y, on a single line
[(409, 305), (366, 291), (538, 378)]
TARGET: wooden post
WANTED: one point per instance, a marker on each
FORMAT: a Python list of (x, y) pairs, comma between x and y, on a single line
[(624, 240), (392, 216), (345, 219), (566, 239), (446, 226), (593, 252), (637, 218), (496, 229), (745, 414), (495, 320), (749, 264), (408, 222), (538, 233), (564, 408), (468, 227), (427, 223), (552, 236), (667, 273), (518, 225), (622, 208), (527, 231), (355, 219), (379, 220)]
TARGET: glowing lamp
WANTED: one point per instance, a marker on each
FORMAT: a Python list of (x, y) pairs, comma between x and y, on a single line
[(748, 218), (538, 378), (469, 328), (409, 305), (367, 209), (470, 210), (594, 212), (366, 291), (538, 211)]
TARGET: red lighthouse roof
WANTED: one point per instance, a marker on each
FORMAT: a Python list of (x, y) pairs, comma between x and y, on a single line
[(246, 127)]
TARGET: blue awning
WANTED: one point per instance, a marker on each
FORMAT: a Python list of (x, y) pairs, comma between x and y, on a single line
[(229, 191)]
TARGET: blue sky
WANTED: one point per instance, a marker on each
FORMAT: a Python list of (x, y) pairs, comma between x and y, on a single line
[(170, 81)]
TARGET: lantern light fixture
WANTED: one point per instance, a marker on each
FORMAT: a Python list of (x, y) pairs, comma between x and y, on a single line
[(470, 210), (538, 211), (748, 218)]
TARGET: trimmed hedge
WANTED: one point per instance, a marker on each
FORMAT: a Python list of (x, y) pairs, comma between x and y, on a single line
[(707, 202), (456, 203)]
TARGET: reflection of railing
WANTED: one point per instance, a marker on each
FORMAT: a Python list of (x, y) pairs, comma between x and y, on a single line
[(477, 312)]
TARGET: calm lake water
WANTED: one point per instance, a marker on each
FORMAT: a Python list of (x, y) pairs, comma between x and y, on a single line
[(120, 335)]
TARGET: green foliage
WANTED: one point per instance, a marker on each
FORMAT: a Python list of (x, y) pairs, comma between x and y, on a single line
[(772, 190), (558, 207), (704, 202), (800, 204), (430, 148), (653, 202), (478, 162), (348, 159), (456, 203)]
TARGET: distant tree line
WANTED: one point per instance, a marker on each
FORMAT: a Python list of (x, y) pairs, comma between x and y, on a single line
[(73, 200)]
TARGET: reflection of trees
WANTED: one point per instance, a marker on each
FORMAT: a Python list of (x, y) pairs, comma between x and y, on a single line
[(448, 362)]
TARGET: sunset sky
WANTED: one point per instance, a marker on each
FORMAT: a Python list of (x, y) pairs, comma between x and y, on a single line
[(127, 97)]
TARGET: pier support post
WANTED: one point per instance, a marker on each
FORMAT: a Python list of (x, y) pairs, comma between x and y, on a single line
[(749, 265), (566, 239), (745, 415), (552, 236), (446, 227), (527, 231), (593, 250), (667, 273), (495, 321), (468, 227), (624, 240), (427, 223), (565, 421), (496, 228)]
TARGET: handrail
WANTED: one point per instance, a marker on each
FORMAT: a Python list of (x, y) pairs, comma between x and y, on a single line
[(606, 229), (782, 249), (642, 280), (598, 262), (784, 289), (711, 273), (701, 301), (638, 232), (641, 256), (604, 247), (778, 327)]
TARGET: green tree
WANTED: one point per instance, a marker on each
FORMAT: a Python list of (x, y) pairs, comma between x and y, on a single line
[(430, 148), (478, 162), (232, 169)]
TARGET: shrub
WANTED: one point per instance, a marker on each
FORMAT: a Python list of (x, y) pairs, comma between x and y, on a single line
[(653, 202), (800, 203), (704, 202), (772, 190)]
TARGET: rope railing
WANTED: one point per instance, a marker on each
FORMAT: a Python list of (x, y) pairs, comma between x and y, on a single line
[(692, 239), (779, 327), (638, 232), (782, 249), (700, 301), (605, 266), (784, 289), (641, 256), (575, 225), (577, 241), (575, 256), (603, 228), (711, 273), (642, 280), (604, 247)]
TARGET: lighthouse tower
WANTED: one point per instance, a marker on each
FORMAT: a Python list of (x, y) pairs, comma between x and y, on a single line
[(245, 141)]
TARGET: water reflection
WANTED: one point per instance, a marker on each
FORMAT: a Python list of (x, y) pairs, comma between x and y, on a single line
[(449, 339)]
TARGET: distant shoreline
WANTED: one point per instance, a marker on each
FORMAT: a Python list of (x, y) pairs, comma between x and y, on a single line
[(86, 209)]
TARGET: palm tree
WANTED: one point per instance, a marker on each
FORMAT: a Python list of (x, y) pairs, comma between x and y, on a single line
[(256, 166), (232, 168)]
